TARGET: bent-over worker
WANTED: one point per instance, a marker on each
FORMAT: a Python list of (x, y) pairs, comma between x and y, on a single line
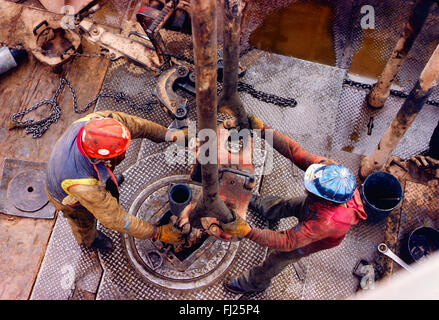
[(332, 205), (80, 180)]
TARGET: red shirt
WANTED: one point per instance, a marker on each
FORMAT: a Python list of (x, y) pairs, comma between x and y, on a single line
[(327, 222)]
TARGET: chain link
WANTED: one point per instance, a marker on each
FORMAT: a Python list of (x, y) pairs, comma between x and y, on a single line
[(395, 93), (38, 127), (245, 87)]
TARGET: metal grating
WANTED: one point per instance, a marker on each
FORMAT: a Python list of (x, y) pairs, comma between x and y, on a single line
[(419, 209), (353, 116), (67, 267), (329, 118)]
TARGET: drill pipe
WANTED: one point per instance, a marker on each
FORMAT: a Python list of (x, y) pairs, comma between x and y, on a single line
[(204, 33), (381, 90), (404, 118), (230, 100)]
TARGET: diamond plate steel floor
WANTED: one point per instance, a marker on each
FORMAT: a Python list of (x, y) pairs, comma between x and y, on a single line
[(326, 115)]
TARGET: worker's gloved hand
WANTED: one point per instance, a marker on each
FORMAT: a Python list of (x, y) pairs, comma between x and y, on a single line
[(255, 123), (169, 234), (237, 228), (173, 135), (183, 219)]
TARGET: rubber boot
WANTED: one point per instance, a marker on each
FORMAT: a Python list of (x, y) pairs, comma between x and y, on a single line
[(240, 285), (119, 178), (102, 242)]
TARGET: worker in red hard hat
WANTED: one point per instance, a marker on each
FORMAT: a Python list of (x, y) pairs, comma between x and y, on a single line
[(80, 180), (332, 205)]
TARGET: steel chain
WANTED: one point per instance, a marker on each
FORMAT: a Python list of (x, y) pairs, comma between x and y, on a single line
[(38, 127), (395, 93), (245, 87)]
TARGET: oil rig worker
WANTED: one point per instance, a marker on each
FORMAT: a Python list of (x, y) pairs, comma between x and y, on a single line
[(325, 214), (80, 180)]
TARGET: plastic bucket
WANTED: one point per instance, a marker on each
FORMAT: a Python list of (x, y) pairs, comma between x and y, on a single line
[(381, 193), (419, 243), (179, 197)]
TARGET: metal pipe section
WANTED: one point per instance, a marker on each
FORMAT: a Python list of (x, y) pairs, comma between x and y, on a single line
[(381, 90), (204, 33), (230, 100), (404, 118)]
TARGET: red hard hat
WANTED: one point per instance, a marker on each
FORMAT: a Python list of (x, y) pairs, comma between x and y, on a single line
[(105, 138)]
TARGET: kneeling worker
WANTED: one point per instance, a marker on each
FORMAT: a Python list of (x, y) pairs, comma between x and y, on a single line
[(325, 214), (80, 180)]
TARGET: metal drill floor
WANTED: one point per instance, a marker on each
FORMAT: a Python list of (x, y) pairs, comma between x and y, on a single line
[(321, 122)]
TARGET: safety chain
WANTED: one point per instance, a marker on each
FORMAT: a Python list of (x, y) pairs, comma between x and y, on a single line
[(245, 87), (395, 93), (246, 50), (39, 127), (266, 97)]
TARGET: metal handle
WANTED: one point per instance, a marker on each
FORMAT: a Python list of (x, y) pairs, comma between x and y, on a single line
[(382, 247)]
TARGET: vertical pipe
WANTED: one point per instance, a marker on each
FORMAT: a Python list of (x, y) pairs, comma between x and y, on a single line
[(204, 33), (381, 90), (404, 118), (230, 100)]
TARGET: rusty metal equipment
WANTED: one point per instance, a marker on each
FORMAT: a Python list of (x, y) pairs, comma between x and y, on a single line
[(155, 17), (204, 32), (236, 174), (53, 44), (406, 115), (22, 190), (230, 100), (181, 77), (381, 90), (116, 45)]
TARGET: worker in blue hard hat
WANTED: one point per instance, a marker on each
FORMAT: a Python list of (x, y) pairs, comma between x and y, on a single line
[(330, 207)]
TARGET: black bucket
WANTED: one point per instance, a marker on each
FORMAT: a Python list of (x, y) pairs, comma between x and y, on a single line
[(180, 196), (419, 243), (381, 193)]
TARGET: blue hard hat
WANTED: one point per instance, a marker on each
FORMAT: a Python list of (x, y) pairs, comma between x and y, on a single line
[(332, 182)]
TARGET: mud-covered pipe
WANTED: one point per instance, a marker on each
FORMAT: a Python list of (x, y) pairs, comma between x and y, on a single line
[(381, 90), (404, 118), (230, 100), (204, 34)]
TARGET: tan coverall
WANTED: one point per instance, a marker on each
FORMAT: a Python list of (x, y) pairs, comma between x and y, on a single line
[(98, 202)]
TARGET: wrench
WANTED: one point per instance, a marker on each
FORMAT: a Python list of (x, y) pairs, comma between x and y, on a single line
[(382, 247)]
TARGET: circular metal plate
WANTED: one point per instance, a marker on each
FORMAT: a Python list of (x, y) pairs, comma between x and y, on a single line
[(199, 268), (26, 190)]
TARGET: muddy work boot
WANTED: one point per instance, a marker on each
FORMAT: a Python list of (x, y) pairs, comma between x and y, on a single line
[(119, 178), (240, 285), (102, 242), (253, 202)]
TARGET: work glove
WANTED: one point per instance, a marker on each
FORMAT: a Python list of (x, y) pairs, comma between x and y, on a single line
[(255, 123), (173, 135), (169, 234), (237, 228)]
